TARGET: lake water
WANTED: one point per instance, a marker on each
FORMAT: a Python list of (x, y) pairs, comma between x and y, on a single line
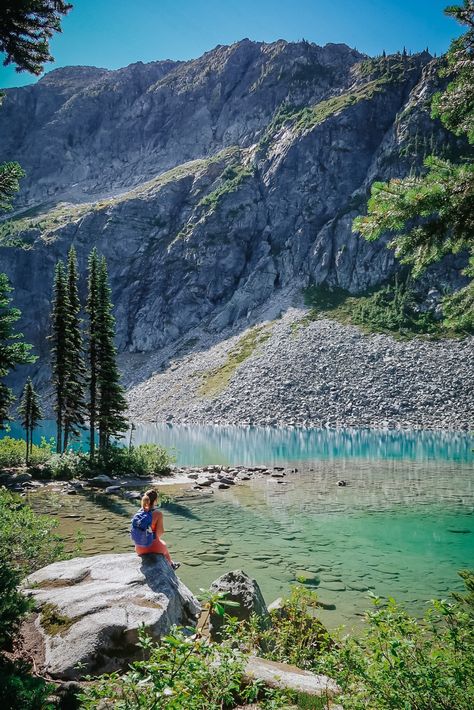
[(403, 525), (233, 445)]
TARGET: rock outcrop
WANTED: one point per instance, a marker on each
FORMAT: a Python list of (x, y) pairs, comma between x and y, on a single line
[(90, 610), (238, 587)]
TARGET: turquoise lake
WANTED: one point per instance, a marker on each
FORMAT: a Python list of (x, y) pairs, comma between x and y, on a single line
[(403, 526), (200, 445)]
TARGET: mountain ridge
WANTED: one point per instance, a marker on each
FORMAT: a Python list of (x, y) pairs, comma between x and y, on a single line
[(214, 188)]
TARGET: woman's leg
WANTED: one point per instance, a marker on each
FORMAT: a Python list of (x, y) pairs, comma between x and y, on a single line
[(159, 546)]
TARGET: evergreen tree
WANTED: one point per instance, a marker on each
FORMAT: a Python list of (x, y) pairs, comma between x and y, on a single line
[(30, 413), (92, 308), (432, 215), (74, 392), (112, 403), (26, 27), (10, 174), (13, 351), (60, 347)]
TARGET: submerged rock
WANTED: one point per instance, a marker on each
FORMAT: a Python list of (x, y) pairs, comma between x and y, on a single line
[(101, 481), (90, 610)]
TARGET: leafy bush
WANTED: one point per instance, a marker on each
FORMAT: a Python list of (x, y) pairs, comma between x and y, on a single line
[(19, 689), (141, 460), (400, 662), (393, 308), (70, 464), (184, 672), (294, 636), (27, 542), (458, 309), (13, 452)]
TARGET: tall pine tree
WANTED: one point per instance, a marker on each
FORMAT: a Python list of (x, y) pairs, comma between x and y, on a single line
[(26, 28), (112, 403), (13, 351), (30, 413), (74, 391), (60, 347), (92, 308)]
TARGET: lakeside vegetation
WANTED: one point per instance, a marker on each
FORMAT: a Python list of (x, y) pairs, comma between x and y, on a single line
[(398, 661), (44, 463), (396, 309)]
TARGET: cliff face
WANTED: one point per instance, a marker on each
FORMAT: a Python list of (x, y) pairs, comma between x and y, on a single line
[(212, 186)]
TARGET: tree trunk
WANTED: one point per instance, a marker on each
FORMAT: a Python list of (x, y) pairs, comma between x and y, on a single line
[(27, 458), (66, 436)]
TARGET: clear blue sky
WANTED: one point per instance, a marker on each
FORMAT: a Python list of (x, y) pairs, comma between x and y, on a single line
[(114, 33)]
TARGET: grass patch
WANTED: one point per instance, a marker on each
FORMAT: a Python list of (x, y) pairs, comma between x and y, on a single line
[(232, 178), (53, 621), (216, 380), (392, 308), (303, 118)]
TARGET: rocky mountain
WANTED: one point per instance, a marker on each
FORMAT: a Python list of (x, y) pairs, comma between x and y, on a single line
[(216, 188)]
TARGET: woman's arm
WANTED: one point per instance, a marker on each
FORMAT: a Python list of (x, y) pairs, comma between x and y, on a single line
[(158, 523)]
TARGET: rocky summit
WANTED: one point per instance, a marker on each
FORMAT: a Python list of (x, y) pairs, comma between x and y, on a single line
[(217, 189)]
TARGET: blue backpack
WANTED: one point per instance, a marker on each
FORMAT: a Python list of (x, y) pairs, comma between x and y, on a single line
[(140, 530)]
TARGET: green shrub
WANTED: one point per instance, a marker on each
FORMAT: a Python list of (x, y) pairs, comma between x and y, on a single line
[(392, 308), (458, 309), (21, 690), (13, 452), (401, 662), (294, 636), (70, 464), (142, 460), (13, 605), (183, 672), (27, 542)]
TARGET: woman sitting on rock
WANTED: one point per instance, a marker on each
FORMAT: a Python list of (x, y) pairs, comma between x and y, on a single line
[(158, 546)]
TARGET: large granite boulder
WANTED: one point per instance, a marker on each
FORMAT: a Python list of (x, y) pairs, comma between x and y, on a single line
[(89, 610), (238, 587)]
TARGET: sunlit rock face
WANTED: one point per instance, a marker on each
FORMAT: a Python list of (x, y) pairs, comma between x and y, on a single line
[(214, 187)]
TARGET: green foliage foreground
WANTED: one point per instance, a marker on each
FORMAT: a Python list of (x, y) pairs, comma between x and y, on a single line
[(27, 542), (398, 662)]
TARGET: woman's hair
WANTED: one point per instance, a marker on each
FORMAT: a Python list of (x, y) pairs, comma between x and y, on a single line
[(148, 499)]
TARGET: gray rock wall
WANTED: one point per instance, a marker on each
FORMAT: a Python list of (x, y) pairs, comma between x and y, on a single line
[(206, 203)]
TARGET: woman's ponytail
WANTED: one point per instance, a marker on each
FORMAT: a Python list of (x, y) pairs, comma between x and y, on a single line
[(149, 499)]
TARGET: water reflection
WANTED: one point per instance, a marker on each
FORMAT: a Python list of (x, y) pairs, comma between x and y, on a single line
[(201, 445)]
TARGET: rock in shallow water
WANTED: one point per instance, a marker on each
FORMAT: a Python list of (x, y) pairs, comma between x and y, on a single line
[(92, 608)]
